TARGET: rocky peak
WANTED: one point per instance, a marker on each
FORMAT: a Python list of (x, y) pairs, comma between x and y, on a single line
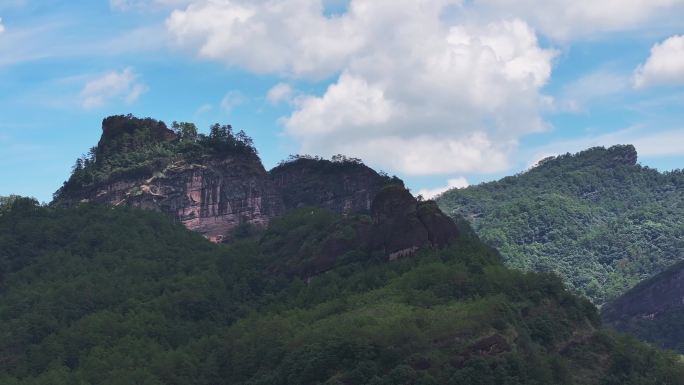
[(615, 156), (398, 227), (343, 185), (403, 225), (214, 183), (122, 133)]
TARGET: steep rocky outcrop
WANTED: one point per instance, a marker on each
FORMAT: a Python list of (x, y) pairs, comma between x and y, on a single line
[(211, 197), (402, 225), (398, 226), (343, 186), (653, 310), (211, 184)]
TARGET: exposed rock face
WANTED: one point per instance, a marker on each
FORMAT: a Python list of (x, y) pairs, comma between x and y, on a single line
[(141, 163), (650, 297), (398, 227), (653, 310), (343, 187), (403, 225), (211, 198)]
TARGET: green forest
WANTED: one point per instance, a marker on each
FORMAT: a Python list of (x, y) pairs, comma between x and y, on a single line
[(596, 218), (115, 295)]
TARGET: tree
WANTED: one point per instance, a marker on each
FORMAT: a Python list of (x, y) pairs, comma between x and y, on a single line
[(185, 131), (220, 132)]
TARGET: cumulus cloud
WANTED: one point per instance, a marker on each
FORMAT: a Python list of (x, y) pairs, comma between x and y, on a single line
[(114, 85), (126, 5), (281, 92), (411, 92), (665, 65), (571, 19), (292, 37), (459, 182)]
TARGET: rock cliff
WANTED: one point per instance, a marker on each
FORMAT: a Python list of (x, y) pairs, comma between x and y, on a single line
[(398, 226), (653, 310), (402, 225), (211, 184), (343, 185)]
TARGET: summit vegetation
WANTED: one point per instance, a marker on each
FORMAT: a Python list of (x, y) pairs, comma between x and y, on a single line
[(135, 147)]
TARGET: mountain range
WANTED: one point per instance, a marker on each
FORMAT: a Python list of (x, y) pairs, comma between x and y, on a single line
[(173, 257)]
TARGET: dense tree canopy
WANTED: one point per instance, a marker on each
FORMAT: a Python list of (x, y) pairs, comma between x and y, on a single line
[(596, 218), (102, 295)]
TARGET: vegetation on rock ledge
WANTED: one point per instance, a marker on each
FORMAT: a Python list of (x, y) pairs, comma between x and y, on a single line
[(134, 147)]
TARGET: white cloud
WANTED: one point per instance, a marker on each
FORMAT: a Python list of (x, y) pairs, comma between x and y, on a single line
[(420, 87), (572, 19), (292, 37), (2, 26), (114, 85), (665, 65), (459, 182), (413, 93), (126, 5), (281, 92)]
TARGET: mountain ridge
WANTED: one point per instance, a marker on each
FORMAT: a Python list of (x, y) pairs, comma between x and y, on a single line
[(215, 184), (597, 218)]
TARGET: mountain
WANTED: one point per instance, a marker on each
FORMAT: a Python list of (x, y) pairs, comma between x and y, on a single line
[(653, 310), (211, 184), (597, 218), (94, 294)]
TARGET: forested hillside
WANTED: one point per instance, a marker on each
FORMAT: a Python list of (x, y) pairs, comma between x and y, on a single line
[(597, 218), (101, 295)]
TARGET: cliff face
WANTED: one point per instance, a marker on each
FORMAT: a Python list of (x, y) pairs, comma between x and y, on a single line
[(344, 187), (402, 225), (212, 184), (211, 197), (398, 226), (653, 310)]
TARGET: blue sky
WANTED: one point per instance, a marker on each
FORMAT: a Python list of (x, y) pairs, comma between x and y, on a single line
[(439, 92)]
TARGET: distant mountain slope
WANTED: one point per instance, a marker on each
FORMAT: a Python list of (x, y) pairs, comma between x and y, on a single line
[(653, 310), (104, 295), (597, 218)]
